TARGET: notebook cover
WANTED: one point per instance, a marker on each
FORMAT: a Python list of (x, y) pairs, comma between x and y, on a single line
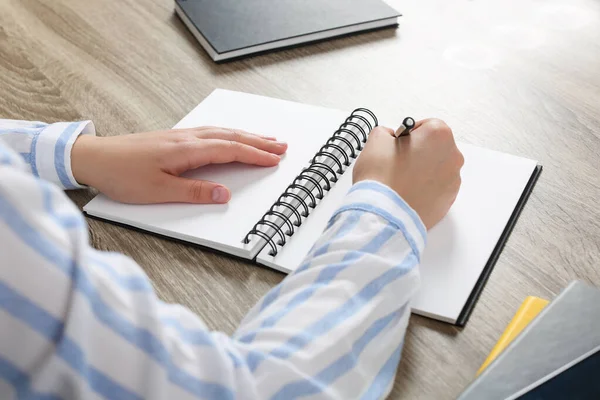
[(487, 270), (563, 335), (579, 382), (528, 310), (230, 25)]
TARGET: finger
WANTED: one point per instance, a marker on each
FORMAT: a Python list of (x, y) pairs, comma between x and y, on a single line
[(381, 133), (263, 136), (184, 190), (455, 187), (434, 125), (216, 151), (422, 122), (267, 144), (203, 128), (384, 130)]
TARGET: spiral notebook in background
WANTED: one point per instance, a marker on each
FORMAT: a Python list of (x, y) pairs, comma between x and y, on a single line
[(267, 203), (229, 29)]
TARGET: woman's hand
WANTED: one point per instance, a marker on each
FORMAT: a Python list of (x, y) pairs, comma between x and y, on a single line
[(423, 168), (146, 167)]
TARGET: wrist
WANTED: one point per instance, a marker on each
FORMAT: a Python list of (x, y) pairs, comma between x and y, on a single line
[(83, 153), (377, 198)]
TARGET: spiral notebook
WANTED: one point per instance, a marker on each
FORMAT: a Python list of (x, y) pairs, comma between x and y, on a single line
[(275, 214)]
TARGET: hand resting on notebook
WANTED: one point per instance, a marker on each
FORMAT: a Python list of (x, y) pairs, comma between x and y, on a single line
[(146, 167), (423, 168)]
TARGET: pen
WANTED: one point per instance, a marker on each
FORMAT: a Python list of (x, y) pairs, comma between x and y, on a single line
[(407, 125)]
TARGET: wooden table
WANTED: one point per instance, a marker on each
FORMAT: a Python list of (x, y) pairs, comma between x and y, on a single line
[(521, 76)]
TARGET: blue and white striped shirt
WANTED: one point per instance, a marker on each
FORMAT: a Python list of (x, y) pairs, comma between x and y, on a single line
[(80, 323)]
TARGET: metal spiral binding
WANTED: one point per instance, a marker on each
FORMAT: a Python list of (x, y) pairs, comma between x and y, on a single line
[(327, 168), (340, 149)]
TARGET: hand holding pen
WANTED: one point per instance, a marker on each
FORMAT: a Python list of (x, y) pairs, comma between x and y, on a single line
[(423, 169)]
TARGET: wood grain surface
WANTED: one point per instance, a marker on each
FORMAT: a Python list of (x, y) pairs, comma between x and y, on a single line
[(515, 76)]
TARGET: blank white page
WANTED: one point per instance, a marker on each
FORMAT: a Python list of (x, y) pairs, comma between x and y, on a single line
[(458, 248), (254, 189)]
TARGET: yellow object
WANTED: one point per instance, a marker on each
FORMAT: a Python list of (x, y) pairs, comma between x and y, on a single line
[(529, 309)]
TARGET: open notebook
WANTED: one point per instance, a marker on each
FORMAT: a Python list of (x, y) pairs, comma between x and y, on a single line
[(268, 203)]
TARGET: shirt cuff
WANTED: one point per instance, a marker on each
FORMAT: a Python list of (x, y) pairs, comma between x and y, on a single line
[(51, 152), (379, 199)]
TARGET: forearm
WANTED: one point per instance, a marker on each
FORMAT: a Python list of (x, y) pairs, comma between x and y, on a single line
[(335, 327), (46, 148), (77, 323)]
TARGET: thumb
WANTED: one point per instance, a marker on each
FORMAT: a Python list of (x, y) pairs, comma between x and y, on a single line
[(184, 190)]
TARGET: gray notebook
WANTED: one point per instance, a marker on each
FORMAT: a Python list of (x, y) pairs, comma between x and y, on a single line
[(230, 29), (565, 333)]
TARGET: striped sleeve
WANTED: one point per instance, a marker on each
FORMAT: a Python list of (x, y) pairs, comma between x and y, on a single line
[(46, 148), (79, 323), (335, 328)]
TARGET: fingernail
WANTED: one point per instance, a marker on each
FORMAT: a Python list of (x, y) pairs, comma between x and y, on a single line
[(220, 195), (281, 144), (275, 157)]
